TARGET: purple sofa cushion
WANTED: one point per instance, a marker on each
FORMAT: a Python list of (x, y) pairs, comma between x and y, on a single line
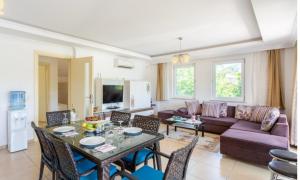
[(248, 126), (257, 141), (231, 111), (226, 121)]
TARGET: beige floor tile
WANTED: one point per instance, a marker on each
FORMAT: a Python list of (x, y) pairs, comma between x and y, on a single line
[(248, 171)]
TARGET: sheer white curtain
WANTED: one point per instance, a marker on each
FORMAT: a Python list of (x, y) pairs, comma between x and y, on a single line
[(256, 78)]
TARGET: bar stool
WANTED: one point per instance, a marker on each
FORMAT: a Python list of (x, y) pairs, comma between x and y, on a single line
[(283, 155), (282, 168)]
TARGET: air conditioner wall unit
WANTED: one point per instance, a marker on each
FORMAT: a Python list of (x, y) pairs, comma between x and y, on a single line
[(122, 62)]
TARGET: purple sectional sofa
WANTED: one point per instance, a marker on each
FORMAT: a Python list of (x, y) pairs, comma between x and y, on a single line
[(240, 138)]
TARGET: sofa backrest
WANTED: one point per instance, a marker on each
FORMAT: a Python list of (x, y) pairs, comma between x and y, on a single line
[(231, 111)]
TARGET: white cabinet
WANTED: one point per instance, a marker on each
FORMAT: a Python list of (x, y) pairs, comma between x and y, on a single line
[(137, 94), (17, 130)]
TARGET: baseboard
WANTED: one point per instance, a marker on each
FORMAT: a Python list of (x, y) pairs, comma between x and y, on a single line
[(31, 141)]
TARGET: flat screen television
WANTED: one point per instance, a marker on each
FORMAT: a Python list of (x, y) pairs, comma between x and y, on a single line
[(112, 94)]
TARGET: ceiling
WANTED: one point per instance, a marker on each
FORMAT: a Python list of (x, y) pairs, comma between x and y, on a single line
[(152, 27)]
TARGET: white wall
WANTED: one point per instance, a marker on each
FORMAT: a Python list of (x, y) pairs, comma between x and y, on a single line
[(17, 71)]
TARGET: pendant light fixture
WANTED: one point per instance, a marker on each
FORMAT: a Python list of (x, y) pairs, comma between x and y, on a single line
[(180, 58)]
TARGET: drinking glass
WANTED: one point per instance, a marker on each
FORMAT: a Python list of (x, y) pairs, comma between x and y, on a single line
[(65, 119), (120, 122)]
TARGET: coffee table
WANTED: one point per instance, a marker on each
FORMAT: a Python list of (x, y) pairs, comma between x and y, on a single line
[(185, 123)]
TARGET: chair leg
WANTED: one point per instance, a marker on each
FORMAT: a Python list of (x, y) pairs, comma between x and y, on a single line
[(274, 176), (41, 170), (154, 162), (53, 175)]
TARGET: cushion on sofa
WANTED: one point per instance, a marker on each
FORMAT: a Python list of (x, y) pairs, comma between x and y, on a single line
[(226, 121), (270, 119), (223, 109), (243, 112), (193, 107), (248, 126), (211, 109), (259, 113)]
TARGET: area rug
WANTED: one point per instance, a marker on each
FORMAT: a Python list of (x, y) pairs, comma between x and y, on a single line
[(208, 142)]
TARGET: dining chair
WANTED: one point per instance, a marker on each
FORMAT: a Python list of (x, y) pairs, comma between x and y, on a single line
[(117, 116), (68, 168), (47, 156), (176, 168), (148, 124), (55, 118)]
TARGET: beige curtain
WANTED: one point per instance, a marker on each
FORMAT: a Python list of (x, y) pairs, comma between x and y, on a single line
[(274, 98), (160, 82)]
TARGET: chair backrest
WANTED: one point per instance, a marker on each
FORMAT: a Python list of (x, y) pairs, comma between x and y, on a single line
[(46, 150), (147, 123), (120, 116), (55, 118), (178, 162), (66, 162)]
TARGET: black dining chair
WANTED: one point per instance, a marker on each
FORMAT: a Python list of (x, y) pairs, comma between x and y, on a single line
[(68, 168), (176, 168), (148, 124), (55, 118), (116, 117), (47, 156)]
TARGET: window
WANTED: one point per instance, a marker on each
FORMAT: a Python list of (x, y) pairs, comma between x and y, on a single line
[(184, 81), (229, 80)]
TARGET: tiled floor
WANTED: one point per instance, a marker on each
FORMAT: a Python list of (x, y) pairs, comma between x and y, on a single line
[(204, 165)]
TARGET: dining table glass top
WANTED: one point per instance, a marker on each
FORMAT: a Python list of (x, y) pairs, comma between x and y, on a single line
[(114, 136)]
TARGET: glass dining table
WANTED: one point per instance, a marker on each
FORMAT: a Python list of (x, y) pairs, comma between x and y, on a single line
[(124, 144)]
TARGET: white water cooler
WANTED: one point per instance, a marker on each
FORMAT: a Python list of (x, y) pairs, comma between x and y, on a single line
[(17, 130)]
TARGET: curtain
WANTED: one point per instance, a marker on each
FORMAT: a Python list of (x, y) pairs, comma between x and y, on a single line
[(160, 82), (295, 107), (256, 80), (294, 116), (274, 97)]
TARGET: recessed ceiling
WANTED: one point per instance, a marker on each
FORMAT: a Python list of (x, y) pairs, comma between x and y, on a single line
[(152, 27), (149, 27)]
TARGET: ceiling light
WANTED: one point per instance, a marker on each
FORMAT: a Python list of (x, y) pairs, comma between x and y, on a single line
[(181, 58), (1, 7)]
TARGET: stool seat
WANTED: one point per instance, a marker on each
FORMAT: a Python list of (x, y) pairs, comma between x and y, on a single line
[(283, 168), (284, 155)]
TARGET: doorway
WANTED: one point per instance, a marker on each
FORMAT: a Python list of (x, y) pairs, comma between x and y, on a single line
[(63, 83), (53, 85)]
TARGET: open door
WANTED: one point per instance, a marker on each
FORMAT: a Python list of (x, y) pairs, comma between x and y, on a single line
[(81, 86)]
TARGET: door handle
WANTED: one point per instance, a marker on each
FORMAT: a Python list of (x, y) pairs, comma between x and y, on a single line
[(91, 97)]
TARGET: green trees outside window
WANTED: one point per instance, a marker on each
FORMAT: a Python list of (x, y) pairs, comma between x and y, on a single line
[(228, 82), (184, 81)]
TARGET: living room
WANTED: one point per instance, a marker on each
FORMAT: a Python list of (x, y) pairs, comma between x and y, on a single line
[(216, 79)]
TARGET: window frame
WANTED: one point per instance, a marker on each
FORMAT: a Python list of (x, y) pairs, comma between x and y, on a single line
[(175, 96), (229, 99)]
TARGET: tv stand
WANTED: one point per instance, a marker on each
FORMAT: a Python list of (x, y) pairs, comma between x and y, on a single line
[(113, 107)]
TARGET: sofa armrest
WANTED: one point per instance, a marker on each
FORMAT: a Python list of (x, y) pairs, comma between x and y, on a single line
[(281, 127)]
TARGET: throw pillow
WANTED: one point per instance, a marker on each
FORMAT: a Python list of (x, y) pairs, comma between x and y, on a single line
[(270, 119), (211, 109), (223, 109), (259, 113), (193, 107), (243, 112)]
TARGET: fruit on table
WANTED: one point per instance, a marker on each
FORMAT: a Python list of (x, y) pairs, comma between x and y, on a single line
[(92, 118)]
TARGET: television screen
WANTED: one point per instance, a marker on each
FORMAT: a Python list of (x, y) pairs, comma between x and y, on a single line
[(112, 94)]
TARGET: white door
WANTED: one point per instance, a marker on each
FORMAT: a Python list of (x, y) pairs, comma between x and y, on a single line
[(81, 86)]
